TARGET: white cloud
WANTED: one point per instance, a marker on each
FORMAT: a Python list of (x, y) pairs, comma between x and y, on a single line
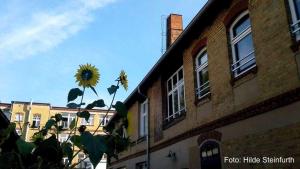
[(46, 29)]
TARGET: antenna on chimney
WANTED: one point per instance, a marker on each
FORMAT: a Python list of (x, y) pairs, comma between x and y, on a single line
[(163, 33)]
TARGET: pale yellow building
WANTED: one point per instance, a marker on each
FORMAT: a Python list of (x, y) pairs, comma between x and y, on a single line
[(30, 117)]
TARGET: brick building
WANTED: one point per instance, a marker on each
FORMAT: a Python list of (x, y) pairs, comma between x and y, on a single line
[(227, 88)]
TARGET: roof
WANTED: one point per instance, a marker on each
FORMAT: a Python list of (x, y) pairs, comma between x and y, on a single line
[(34, 103), (203, 19), (69, 109)]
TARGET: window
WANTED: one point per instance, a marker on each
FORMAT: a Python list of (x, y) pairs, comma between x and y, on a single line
[(141, 165), (36, 121), (89, 122), (242, 45), (19, 117), (65, 160), (143, 119), (62, 137), (202, 74), (210, 155), (67, 119), (85, 163), (104, 120), (19, 132), (295, 13), (176, 100)]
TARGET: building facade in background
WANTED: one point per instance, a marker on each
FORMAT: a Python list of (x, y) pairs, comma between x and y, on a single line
[(226, 89), (30, 117)]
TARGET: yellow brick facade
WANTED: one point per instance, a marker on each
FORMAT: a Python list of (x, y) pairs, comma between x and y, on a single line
[(277, 74), (45, 111)]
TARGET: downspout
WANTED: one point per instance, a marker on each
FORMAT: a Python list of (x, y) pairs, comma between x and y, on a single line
[(148, 130), (27, 120)]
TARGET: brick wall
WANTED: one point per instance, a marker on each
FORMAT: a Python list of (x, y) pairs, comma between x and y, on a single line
[(276, 73)]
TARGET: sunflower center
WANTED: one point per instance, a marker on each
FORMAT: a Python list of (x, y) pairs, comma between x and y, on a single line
[(87, 74)]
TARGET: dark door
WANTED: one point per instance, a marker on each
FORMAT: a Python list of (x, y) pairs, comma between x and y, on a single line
[(210, 155)]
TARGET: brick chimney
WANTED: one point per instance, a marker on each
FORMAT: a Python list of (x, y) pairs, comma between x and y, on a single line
[(174, 28)]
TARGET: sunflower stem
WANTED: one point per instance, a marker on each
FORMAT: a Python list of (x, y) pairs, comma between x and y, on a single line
[(108, 110), (75, 128)]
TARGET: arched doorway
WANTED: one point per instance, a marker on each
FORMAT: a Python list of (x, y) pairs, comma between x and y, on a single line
[(210, 157)]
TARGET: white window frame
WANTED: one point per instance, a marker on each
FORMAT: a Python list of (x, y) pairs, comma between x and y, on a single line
[(235, 40), (36, 119), (70, 117), (19, 117), (18, 131), (295, 27), (200, 68), (105, 121), (144, 108), (63, 137), (65, 160), (177, 87), (90, 122)]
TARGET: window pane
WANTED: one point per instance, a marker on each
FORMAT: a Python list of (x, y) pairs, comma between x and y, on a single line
[(144, 124), (297, 8), (242, 49), (175, 80), (181, 97), (170, 105), (203, 74), (241, 25), (202, 59), (170, 85), (175, 101), (180, 74)]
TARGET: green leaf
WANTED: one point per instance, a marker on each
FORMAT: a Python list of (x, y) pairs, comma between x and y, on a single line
[(84, 114), (74, 93), (72, 124), (24, 147), (73, 105), (76, 140), (89, 106), (50, 150), (112, 89), (95, 146), (121, 109), (94, 90), (58, 117), (5, 133), (67, 150), (99, 103), (49, 124)]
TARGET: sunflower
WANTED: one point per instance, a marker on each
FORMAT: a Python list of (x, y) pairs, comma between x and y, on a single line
[(123, 79), (87, 75)]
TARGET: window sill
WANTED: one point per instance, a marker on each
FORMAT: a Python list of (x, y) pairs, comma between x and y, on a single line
[(141, 139), (174, 121), (252, 71), (202, 100), (87, 125)]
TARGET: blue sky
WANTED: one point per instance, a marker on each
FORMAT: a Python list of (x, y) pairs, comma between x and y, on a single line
[(43, 42)]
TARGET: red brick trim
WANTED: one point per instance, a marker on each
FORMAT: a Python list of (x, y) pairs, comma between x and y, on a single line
[(234, 11), (257, 109), (202, 43), (209, 135)]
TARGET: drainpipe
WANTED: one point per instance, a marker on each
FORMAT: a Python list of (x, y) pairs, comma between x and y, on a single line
[(148, 130), (27, 120)]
